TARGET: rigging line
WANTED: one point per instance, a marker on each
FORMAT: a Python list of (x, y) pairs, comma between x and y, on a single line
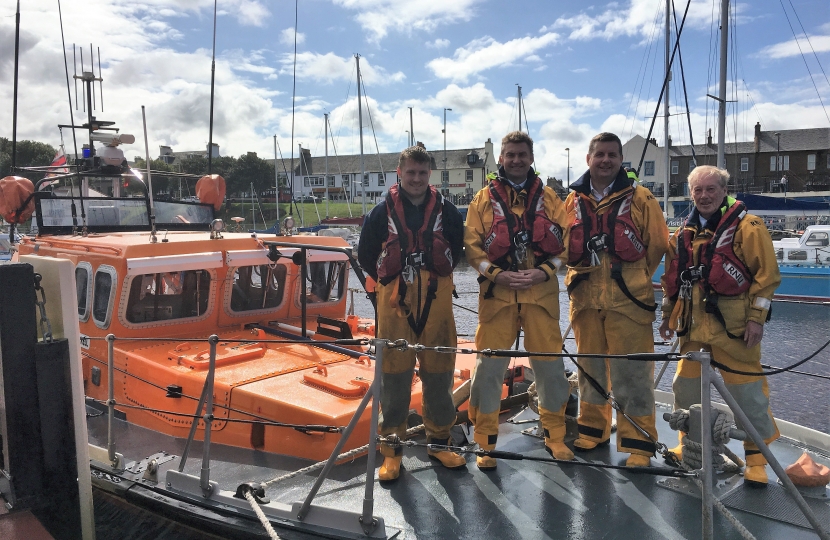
[(527, 127), (685, 92), (371, 124), (665, 83), (294, 94), (807, 37), (69, 94), (805, 60), (775, 371), (710, 68), (640, 79), (749, 94)]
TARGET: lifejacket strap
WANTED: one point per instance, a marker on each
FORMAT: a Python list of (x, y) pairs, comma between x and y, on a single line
[(616, 275)]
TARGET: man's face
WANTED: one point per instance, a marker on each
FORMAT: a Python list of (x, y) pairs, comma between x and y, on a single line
[(604, 162), (414, 178), (707, 194), (516, 159)]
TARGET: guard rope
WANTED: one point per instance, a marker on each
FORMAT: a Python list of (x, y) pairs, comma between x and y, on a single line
[(772, 371), (262, 517), (303, 428), (344, 456), (395, 441)]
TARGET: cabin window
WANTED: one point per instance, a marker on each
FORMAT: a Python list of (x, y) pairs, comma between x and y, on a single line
[(811, 162), (168, 295), (818, 239), (83, 289), (326, 281), (744, 164), (257, 287), (797, 255), (103, 295), (649, 168)]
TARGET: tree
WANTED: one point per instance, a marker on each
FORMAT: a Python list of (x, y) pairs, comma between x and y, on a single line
[(29, 154), (250, 169)]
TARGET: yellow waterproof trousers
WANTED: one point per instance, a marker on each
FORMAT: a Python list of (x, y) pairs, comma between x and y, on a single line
[(435, 369), (600, 331), (751, 392), (541, 333)]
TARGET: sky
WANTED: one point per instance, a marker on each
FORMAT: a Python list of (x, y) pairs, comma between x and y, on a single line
[(582, 68)]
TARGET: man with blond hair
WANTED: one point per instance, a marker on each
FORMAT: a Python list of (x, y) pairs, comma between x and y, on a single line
[(717, 291), (410, 244)]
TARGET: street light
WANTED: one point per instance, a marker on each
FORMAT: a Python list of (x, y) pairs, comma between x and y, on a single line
[(445, 179), (568, 150)]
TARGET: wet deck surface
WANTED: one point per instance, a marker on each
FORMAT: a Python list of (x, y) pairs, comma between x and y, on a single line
[(520, 499)]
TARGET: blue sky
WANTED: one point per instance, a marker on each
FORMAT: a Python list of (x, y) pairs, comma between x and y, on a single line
[(583, 68)]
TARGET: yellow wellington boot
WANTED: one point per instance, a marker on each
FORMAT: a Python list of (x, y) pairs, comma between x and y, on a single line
[(390, 469), (756, 470), (636, 460), (587, 444), (591, 416), (678, 450), (485, 442), (448, 459), (554, 426)]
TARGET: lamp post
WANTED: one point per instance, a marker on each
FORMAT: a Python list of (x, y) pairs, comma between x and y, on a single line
[(444, 176), (778, 166), (568, 150)]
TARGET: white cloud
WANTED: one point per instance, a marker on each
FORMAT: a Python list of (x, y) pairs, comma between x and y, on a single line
[(287, 37), (579, 70), (329, 67), (438, 43), (485, 53), (635, 20), (379, 17), (791, 48)]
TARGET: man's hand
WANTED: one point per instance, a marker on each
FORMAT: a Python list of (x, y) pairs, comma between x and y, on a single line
[(666, 332), (753, 334), (522, 279)]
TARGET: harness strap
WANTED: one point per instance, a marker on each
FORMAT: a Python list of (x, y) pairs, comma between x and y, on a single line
[(713, 309), (579, 278), (616, 275), (432, 288)]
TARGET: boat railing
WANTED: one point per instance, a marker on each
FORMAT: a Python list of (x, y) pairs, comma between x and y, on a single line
[(304, 513)]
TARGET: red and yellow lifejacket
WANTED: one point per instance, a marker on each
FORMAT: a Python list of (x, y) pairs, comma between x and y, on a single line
[(544, 236), (614, 231), (719, 268), (402, 243)]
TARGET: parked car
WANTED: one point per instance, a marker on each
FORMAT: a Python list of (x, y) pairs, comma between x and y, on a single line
[(307, 199)]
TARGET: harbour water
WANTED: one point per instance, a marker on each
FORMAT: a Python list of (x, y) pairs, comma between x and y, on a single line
[(794, 332)]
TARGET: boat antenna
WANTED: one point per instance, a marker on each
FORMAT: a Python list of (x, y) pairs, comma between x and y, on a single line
[(663, 89), (360, 128), (68, 93), (153, 238), (14, 100), (294, 97), (210, 127)]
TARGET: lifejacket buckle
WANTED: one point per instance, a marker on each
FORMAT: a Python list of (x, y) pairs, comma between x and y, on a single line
[(692, 274), (598, 243)]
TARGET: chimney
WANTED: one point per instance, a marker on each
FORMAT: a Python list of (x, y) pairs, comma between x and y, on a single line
[(709, 137), (653, 141), (757, 137)]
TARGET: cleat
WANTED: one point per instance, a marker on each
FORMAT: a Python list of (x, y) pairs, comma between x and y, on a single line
[(587, 444), (448, 459), (559, 451), (390, 470), (636, 460)]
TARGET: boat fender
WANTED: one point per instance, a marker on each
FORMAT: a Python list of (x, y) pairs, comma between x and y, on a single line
[(211, 190), (16, 194)]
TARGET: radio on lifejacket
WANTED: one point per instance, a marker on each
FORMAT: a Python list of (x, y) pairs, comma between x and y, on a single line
[(521, 238), (692, 274), (415, 259), (598, 243)]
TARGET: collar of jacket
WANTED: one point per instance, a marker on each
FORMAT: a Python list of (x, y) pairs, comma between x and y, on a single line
[(583, 183), (712, 222), (531, 176)]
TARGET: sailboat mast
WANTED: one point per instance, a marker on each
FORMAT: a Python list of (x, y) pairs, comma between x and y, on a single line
[(411, 129), (724, 47), (519, 101), (326, 135), (667, 162), (360, 126)]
